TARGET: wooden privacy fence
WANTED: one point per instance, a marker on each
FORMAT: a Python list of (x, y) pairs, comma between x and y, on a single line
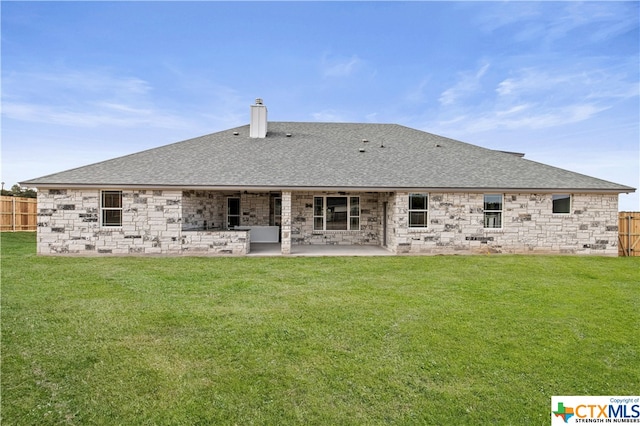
[(18, 214), (629, 234)]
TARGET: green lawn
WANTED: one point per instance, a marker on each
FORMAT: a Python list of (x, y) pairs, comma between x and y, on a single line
[(343, 340)]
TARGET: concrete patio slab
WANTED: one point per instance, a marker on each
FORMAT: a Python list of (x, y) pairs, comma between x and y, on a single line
[(273, 249)]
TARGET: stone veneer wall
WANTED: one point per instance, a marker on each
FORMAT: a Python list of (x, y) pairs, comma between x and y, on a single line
[(215, 242), (254, 208), (456, 225), (302, 221), (69, 223), (208, 209), (203, 210)]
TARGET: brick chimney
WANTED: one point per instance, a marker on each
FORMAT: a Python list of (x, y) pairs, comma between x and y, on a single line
[(258, 123)]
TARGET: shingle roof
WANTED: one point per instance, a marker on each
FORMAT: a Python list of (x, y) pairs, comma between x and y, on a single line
[(326, 155)]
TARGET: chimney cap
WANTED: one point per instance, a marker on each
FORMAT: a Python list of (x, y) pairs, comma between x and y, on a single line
[(258, 101)]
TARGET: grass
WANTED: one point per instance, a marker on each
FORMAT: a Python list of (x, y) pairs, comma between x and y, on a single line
[(343, 340)]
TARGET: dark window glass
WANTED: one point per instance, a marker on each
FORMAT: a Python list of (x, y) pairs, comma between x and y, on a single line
[(318, 213), (317, 206), (417, 219), (112, 199), (561, 203), (418, 202), (336, 213), (493, 202), (492, 220), (111, 217), (355, 206), (233, 212)]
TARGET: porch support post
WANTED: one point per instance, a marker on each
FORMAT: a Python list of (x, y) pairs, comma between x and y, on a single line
[(286, 223)]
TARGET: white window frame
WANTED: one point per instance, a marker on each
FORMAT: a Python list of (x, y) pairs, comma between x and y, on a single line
[(565, 195), (104, 210), (425, 210), (239, 215), (323, 215), (500, 212)]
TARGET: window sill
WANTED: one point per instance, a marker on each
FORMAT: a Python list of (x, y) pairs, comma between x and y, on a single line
[(493, 229), (318, 232)]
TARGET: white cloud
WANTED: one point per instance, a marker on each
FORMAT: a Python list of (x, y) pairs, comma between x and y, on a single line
[(604, 20), (513, 110), (493, 16), (545, 22), (103, 114), (372, 117), (598, 82), (531, 98), (467, 85), (65, 84), (340, 67), (417, 93), (328, 115), (519, 117), (97, 98), (76, 98)]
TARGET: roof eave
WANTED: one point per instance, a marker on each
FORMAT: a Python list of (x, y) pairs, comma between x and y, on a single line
[(623, 190)]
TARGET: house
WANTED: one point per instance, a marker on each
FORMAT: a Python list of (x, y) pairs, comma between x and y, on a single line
[(347, 184)]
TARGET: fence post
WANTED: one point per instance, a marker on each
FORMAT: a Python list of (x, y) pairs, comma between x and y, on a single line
[(629, 235), (13, 214)]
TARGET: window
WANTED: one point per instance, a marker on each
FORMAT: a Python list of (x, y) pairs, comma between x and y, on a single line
[(354, 215), (418, 209), (493, 211), (336, 213), (318, 213), (277, 211), (233, 212), (111, 208), (561, 203)]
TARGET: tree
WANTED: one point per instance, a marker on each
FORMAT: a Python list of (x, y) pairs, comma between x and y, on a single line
[(18, 191)]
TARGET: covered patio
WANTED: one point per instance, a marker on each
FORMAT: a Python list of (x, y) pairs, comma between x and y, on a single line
[(275, 222)]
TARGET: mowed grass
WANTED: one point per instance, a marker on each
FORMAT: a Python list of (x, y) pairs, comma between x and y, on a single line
[(335, 340)]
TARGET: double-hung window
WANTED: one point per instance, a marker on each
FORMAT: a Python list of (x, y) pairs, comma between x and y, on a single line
[(336, 213), (493, 211), (418, 210), (561, 203), (233, 212), (111, 208)]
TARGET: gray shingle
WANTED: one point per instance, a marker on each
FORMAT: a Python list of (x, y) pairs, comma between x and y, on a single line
[(327, 155)]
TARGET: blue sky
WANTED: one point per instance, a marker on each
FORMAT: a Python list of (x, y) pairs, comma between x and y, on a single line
[(86, 81)]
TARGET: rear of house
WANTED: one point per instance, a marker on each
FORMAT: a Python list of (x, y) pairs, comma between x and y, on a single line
[(297, 184)]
